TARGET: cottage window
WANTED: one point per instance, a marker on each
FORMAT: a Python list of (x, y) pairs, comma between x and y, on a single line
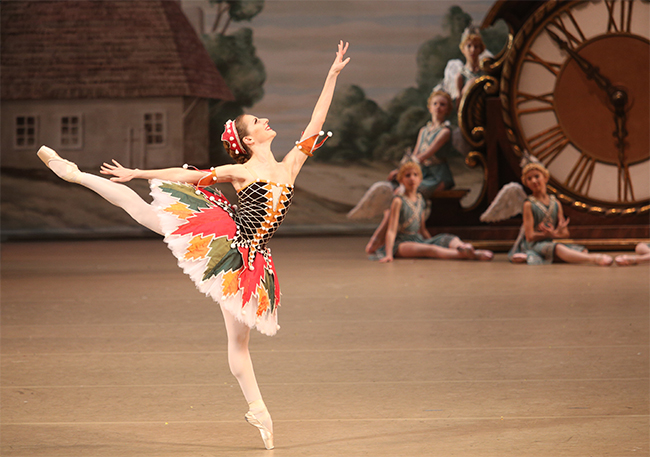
[(26, 131), (71, 131), (154, 128)]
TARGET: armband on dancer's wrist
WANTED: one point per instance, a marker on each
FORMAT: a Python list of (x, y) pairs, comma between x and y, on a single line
[(309, 145)]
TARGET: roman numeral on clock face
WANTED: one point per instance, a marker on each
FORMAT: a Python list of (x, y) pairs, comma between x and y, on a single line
[(619, 16), (548, 144)]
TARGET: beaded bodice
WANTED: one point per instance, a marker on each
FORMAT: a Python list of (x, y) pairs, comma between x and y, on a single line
[(261, 209)]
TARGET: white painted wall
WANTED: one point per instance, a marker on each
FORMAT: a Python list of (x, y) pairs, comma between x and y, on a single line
[(111, 129)]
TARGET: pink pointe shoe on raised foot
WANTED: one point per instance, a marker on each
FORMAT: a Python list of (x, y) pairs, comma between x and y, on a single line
[(64, 169), (267, 436)]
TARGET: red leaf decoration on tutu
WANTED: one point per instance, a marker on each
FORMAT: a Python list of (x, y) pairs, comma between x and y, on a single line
[(250, 279), (213, 220)]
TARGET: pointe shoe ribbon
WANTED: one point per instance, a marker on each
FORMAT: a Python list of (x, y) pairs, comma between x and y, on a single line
[(64, 169), (267, 436)]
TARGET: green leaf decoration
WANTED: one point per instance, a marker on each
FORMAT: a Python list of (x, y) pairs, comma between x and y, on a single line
[(269, 285), (185, 194), (225, 258)]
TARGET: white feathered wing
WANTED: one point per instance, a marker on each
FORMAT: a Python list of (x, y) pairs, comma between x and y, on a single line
[(508, 203)]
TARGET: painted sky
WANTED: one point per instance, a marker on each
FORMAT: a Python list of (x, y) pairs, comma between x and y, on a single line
[(296, 40)]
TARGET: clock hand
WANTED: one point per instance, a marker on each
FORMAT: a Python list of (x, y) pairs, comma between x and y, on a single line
[(590, 70), (619, 100), (617, 97)]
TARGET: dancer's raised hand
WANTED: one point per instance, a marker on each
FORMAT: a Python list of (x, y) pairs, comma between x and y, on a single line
[(339, 63)]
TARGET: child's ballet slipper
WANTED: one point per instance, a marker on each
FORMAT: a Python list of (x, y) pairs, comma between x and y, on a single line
[(467, 251), (626, 260), (483, 254), (603, 260), (64, 169)]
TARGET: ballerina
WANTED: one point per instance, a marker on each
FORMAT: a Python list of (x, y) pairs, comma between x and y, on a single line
[(222, 247)]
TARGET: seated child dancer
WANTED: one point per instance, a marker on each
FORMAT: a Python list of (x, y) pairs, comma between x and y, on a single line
[(458, 74), (642, 256), (543, 222), (432, 148), (406, 234)]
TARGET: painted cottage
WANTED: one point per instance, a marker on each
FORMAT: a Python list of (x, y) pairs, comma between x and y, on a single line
[(97, 80)]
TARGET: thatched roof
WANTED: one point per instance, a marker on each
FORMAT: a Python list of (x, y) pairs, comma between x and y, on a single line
[(103, 49)]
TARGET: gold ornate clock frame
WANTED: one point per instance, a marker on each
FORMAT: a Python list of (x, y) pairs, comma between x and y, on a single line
[(500, 133)]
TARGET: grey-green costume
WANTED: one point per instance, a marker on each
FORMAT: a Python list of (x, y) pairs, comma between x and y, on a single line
[(410, 221), (469, 75), (540, 252), (435, 169)]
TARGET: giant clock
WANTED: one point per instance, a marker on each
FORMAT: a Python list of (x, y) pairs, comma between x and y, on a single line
[(575, 94)]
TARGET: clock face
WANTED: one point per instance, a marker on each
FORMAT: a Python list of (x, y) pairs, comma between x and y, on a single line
[(576, 95)]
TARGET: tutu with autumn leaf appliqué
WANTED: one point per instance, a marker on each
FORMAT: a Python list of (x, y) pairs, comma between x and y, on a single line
[(223, 248)]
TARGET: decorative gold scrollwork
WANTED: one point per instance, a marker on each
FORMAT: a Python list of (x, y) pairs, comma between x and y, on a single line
[(492, 65), (471, 111), (472, 160)]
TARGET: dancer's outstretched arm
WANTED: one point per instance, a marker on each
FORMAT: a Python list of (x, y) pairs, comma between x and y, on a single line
[(224, 173), (295, 158)]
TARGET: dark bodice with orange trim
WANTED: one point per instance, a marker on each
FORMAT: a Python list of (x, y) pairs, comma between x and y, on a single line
[(261, 209)]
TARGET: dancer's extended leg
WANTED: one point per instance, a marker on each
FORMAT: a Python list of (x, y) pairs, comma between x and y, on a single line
[(572, 256), (411, 249), (241, 366), (468, 250), (115, 193)]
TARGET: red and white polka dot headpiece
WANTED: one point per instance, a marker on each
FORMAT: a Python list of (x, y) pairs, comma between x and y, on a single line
[(230, 136)]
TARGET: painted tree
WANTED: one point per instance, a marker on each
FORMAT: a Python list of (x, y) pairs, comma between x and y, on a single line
[(235, 57), (234, 10)]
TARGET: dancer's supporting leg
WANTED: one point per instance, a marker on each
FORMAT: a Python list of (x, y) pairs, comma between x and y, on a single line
[(115, 193), (241, 366)]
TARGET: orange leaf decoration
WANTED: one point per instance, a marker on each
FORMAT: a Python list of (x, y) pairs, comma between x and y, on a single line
[(230, 283), (179, 210), (198, 247), (262, 301)]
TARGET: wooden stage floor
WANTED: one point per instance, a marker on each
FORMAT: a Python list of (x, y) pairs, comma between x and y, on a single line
[(108, 350)]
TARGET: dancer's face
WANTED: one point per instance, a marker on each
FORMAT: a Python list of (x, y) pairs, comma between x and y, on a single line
[(439, 107), (411, 179), (258, 130), (472, 49), (535, 180)]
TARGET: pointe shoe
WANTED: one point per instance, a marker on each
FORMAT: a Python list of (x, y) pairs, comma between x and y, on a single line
[(267, 436), (64, 169)]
